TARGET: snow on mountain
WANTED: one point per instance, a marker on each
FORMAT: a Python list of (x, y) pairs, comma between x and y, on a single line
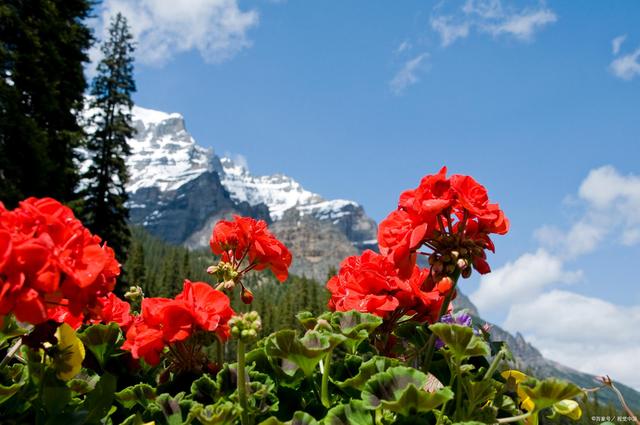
[(165, 155), (278, 192)]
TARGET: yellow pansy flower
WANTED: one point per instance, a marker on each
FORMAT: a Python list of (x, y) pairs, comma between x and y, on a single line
[(68, 361), (526, 402)]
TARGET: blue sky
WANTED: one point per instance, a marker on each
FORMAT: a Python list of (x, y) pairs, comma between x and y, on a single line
[(358, 100)]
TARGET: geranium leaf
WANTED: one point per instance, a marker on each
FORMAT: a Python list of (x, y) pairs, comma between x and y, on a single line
[(460, 340), (367, 369), (299, 418), (354, 325), (140, 394), (19, 375), (549, 391), (102, 340), (352, 413), (289, 353), (98, 402), (204, 389), (221, 413), (400, 389)]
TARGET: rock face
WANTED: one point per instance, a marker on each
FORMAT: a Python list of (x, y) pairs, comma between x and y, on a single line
[(178, 190), (320, 245)]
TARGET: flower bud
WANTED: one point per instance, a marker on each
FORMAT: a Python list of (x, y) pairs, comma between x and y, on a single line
[(466, 273), (134, 294), (444, 285), (245, 334), (462, 264), (247, 297), (253, 316)]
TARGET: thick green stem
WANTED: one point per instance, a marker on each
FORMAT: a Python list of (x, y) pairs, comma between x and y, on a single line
[(324, 389), (242, 385), (494, 364), (431, 344), (458, 388)]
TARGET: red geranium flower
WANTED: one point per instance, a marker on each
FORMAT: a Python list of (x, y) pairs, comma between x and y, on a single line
[(247, 238), (165, 321), (51, 266), (450, 216), (370, 283)]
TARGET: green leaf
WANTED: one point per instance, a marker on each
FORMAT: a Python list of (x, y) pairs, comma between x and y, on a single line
[(352, 413), (354, 325), (460, 340), (299, 418), (17, 373), (204, 389), (102, 340), (170, 407), (307, 319), (549, 391), (98, 402), (400, 390), (367, 369), (221, 413), (140, 394), (289, 353), (55, 393)]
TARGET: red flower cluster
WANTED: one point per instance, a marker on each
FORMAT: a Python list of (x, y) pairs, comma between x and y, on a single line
[(165, 321), (456, 208), (453, 218), (51, 266), (370, 283), (247, 238)]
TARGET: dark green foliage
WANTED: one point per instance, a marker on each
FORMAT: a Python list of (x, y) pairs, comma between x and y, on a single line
[(43, 46), (105, 196)]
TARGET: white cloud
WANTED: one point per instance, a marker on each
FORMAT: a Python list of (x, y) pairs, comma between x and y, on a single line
[(217, 29), (627, 66), (522, 25), (491, 16), (407, 75), (565, 325), (610, 203), (402, 47), (616, 43), (523, 279), (586, 333), (448, 31)]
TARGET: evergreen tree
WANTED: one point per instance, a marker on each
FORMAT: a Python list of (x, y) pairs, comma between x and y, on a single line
[(105, 196), (136, 269), (43, 47)]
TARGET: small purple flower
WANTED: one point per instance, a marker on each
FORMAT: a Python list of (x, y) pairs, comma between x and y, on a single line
[(462, 318)]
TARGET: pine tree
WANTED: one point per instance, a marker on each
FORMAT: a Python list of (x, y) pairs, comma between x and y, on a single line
[(105, 208), (43, 48), (136, 269)]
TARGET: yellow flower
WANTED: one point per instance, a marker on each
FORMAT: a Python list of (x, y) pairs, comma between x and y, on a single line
[(526, 403), (68, 361)]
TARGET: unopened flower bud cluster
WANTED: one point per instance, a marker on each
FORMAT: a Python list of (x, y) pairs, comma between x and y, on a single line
[(246, 326)]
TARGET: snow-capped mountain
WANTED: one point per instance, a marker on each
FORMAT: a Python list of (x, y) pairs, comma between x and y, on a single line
[(178, 189), (163, 153), (165, 156)]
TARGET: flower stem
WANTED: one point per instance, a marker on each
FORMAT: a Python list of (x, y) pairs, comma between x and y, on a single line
[(431, 344), (242, 384), (494, 364), (220, 352), (324, 389), (513, 418)]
